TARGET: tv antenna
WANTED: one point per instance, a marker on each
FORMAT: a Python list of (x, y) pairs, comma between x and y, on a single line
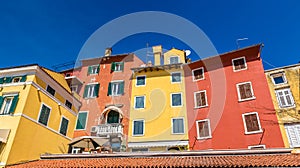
[(240, 39)]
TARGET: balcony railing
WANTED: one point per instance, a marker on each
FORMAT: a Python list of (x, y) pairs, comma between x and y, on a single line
[(107, 129)]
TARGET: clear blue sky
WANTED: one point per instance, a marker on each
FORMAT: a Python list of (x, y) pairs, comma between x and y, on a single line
[(52, 32)]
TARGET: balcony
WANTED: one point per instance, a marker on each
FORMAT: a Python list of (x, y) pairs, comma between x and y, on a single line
[(107, 129)]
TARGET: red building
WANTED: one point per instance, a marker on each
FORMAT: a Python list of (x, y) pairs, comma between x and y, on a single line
[(229, 104), (104, 85)]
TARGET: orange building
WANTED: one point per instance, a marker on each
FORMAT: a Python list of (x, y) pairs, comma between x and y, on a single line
[(104, 84), (229, 104)]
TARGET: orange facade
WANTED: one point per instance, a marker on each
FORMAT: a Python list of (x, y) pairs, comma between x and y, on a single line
[(229, 104)]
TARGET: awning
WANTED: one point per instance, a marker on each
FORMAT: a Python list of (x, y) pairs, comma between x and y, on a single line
[(88, 142), (157, 144), (4, 135)]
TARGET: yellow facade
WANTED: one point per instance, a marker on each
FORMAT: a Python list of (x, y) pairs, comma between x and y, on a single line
[(28, 138), (284, 84), (158, 112)]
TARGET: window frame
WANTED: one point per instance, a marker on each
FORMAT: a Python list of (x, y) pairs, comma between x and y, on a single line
[(136, 135), (48, 91), (75, 88), (255, 146), (245, 124), (136, 83), (135, 102), (181, 101), (113, 84), (237, 70), (172, 124), (11, 97), (40, 112), (94, 67), (193, 73), (283, 77), (172, 77), (87, 116), (93, 91), (59, 130), (66, 102), (174, 56), (296, 130), (195, 99), (239, 94), (290, 95), (209, 129), (120, 64)]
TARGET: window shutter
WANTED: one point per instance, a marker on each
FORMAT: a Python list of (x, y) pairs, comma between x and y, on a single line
[(98, 69), (89, 70), (121, 87), (292, 134), (85, 91), (96, 90), (122, 66), (1, 101), (7, 79), (14, 104), (109, 89), (242, 91), (23, 79), (1, 80), (248, 90), (113, 66)]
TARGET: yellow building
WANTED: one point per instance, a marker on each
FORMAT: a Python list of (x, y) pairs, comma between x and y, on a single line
[(37, 113), (284, 84), (158, 119)]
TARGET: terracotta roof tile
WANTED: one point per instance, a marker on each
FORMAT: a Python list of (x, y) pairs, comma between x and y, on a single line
[(282, 160)]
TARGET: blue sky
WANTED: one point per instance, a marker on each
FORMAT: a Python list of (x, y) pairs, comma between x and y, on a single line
[(53, 32)]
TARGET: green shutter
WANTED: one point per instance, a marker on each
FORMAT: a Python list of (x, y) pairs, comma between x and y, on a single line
[(81, 121), (85, 91), (109, 89), (1, 80), (1, 101), (96, 90), (113, 66), (122, 66), (89, 70), (23, 79), (14, 104), (122, 87), (98, 69), (7, 79)]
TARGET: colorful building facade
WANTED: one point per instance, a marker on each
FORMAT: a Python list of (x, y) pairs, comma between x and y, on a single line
[(229, 104), (37, 113), (284, 84), (158, 120), (104, 84)]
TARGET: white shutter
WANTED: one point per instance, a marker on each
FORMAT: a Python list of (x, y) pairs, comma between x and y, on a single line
[(293, 132)]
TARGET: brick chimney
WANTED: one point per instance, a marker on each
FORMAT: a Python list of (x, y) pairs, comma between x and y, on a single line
[(108, 51)]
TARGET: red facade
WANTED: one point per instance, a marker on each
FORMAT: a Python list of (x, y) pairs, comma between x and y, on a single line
[(230, 106)]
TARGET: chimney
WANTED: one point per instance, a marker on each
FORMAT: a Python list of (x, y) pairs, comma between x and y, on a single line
[(157, 52), (108, 51)]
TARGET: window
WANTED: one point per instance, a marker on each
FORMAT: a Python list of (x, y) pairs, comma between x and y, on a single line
[(44, 115), (198, 74), (176, 77), (81, 121), (91, 91), (200, 99), (64, 126), (176, 99), (68, 104), (74, 88), (245, 91), (139, 102), (177, 126), (293, 133), (50, 90), (116, 88), (251, 123), (203, 129), (174, 60), (8, 104), (138, 127), (140, 80), (239, 64), (117, 66), (278, 78), (285, 98), (94, 69), (14, 79)]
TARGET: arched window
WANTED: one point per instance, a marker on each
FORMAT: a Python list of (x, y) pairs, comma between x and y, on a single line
[(113, 117)]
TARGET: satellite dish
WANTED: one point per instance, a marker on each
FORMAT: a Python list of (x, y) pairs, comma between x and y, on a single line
[(187, 52)]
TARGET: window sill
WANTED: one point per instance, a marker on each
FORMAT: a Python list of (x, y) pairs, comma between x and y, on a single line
[(178, 133), (201, 107), (138, 135), (177, 106), (248, 99), (254, 132), (195, 80), (204, 138), (238, 70), (288, 107)]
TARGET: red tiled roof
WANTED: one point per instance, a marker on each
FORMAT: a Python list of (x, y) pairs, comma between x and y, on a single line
[(258, 160)]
